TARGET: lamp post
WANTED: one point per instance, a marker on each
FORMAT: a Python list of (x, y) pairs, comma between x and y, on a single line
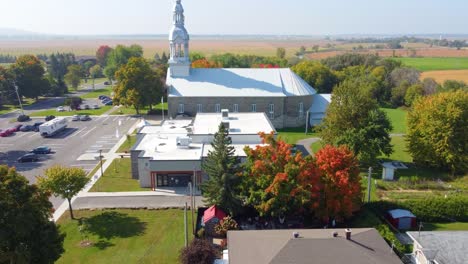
[(19, 99), (100, 160), (162, 107)]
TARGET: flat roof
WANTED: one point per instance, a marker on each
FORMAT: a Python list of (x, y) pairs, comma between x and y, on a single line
[(238, 149), (239, 123)]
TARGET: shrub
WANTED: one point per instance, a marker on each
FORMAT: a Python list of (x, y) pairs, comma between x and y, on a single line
[(199, 251), (201, 233), (225, 225)]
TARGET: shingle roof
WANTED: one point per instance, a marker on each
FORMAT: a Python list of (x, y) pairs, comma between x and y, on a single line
[(238, 83), (446, 247)]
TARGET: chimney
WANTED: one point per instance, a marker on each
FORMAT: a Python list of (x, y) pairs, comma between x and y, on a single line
[(348, 233)]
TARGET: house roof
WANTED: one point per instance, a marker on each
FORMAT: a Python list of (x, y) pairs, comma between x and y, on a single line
[(212, 212), (278, 246), (238, 82), (399, 213), (446, 247), (320, 103)]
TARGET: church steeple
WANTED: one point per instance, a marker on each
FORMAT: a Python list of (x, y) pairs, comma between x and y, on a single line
[(179, 61)]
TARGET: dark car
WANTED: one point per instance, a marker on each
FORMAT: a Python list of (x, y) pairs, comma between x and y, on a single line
[(23, 118), (86, 107), (85, 118), (17, 127), (36, 126), (182, 116), (30, 157), (106, 83), (41, 150), (6, 133), (27, 128), (108, 102), (49, 117)]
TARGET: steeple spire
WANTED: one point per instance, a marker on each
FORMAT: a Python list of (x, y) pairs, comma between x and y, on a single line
[(179, 61)]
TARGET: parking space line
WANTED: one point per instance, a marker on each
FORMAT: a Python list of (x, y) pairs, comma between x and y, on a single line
[(105, 119), (34, 134), (115, 119), (89, 131), (20, 135)]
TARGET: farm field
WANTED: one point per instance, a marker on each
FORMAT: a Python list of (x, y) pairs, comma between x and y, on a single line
[(124, 236), (419, 52), (441, 76), (434, 64)]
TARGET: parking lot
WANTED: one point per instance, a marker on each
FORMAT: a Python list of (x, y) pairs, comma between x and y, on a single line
[(70, 147)]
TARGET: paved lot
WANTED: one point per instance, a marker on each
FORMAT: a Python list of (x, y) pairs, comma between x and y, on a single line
[(80, 137)]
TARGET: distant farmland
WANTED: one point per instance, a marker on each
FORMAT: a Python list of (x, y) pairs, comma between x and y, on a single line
[(436, 64), (441, 76)]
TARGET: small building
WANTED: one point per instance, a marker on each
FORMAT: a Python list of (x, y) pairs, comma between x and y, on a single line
[(388, 171), (325, 246), (211, 217), (401, 219), (439, 247)]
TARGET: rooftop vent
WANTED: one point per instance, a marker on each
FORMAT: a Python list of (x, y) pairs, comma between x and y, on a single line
[(348, 233), (225, 114), (183, 142), (226, 125), (295, 234)]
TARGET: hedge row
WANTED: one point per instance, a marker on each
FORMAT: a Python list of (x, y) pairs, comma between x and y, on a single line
[(435, 209)]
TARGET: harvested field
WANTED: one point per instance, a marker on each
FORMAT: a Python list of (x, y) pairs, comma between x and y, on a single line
[(441, 76), (424, 52)]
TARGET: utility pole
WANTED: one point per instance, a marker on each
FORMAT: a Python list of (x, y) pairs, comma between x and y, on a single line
[(307, 122), (162, 107), (369, 185), (191, 204), (185, 225), (19, 99)]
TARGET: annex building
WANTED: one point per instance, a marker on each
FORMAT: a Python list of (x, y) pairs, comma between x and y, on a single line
[(284, 97), (171, 154)]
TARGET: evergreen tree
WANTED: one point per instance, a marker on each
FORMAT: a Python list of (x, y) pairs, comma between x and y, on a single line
[(222, 166)]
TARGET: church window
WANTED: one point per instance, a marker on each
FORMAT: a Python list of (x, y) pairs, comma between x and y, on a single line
[(301, 109), (272, 111), (217, 108), (181, 108), (236, 108), (199, 108), (254, 108)]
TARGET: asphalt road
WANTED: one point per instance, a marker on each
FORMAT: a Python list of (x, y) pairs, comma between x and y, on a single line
[(80, 137)]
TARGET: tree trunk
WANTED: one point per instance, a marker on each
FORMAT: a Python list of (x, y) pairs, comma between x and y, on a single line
[(93, 83), (70, 207)]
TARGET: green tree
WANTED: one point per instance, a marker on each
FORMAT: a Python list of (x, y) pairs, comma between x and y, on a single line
[(26, 233), (280, 53), (29, 75), (119, 57), (7, 88), (222, 167), (64, 182), (453, 85), (354, 119), (73, 76), (317, 75), (138, 85), (437, 131), (412, 93), (95, 72)]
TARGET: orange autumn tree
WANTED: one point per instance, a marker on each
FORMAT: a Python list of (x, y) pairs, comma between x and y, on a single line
[(340, 183), (275, 182), (204, 63)]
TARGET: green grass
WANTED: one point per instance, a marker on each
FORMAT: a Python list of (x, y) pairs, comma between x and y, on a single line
[(292, 135), (131, 110), (124, 236), (316, 146), (8, 108), (118, 178), (53, 112), (399, 150), (127, 145), (96, 168), (94, 94), (445, 226), (397, 119), (434, 64)]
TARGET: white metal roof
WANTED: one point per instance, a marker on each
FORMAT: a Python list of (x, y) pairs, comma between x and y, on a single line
[(239, 123), (399, 213), (238, 82), (320, 103)]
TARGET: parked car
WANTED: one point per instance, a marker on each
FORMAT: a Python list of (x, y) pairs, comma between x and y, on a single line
[(85, 118), (36, 126), (86, 107), (11, 130), (102, 97), (41, 150), (23, 118), (17, 127), (182, 116), (27, 128), (6, 133), (30, 157), (49, 117), (106, 83), (60, 109), (108, 102), (76, 118), (78, 108), (95, 106)]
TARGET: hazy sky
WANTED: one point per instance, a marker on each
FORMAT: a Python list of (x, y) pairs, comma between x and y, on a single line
[(291, 17)]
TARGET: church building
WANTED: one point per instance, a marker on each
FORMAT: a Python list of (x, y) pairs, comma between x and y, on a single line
[(283, 96)]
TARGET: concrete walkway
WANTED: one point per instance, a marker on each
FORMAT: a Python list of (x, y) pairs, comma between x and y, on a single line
[(304, 145), (131, 201)]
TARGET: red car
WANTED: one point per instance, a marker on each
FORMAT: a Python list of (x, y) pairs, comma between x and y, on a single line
[(6, 133), (17, 127)]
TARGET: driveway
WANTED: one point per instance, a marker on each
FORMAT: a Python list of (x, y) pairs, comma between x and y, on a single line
[(304, 145)]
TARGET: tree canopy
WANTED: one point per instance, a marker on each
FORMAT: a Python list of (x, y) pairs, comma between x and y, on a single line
[(119, 56), (29, 76), (74, 75), (26, 233), (437, 131), (317, 75)]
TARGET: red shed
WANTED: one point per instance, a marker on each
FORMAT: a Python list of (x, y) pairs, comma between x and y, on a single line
[(401, 219), (213, 214)]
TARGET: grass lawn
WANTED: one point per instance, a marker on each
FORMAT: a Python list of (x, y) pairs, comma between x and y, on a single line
[(445, 226), (118, 178), (124, 236), (399, 150), (8, 108), (292, 135), (99, 111), (397, 118), (316, 146), (94, 94), (131, 110), (127, 145), (434, 64)]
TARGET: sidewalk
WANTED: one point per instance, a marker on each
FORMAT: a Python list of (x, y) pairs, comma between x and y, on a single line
[(130, 201)]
